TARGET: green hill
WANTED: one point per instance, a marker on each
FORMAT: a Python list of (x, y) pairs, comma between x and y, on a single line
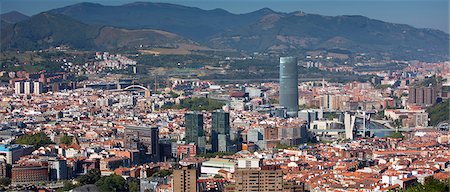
[(94, 26), (267, 30), (439, 112), (49, 29)]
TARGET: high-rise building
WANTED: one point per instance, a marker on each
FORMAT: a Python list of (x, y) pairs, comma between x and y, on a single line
[(19, 87), (37, 88), (185, 179), (194, 133), (144, 139), (57, 169), (293, 134), (155, 151), (28, 87), (422, 95), (259, 179), (289, 85), (220, 134)]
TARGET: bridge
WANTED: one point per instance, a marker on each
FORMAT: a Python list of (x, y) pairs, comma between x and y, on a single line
[(132, 87)]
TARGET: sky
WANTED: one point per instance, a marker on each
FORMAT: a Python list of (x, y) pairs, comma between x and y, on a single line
[(418, 13)]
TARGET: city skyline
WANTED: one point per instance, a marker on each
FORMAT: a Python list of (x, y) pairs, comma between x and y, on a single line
[(185, 97)]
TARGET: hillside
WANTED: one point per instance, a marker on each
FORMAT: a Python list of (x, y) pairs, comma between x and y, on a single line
[(439, 112), (356, 33), (262, 30), (45, 29), (13, 17), (267, 30), (110, 38), (49, 29)]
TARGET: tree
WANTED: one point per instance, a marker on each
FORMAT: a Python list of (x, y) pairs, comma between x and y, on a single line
[(162, 173), (5, 181), (111, 183), (133, 184), (282, 146), (273, 101), (37, 140), (173, 94), (197, 104), (431, 185), (67, 186), (397, 135), (91, 177), (65, 139), (439, 112)]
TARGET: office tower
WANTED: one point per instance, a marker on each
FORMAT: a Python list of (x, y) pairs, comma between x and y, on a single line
[(349, 125), (266, 178), (194, 130), (293, 134), (223, 141), (165, 149), (143, 139), (185, 179), (220, 131), (57, 169), (429, 96), (28, 87), (18, 87), (155, 151), (289, 85), (37, 88), (422, 95)]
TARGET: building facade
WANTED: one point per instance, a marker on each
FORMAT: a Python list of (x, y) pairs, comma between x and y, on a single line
[(144, 139), (258, 179), (220, 134), (185, 179), (194, 133), (289, 85)]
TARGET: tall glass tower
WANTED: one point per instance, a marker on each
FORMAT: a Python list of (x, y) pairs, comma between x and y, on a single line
[(194, 130), (220, 137), (289, 85)]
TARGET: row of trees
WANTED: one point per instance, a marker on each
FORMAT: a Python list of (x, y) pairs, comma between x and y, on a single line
[(36, 140), (197, 104), (104, 184), (430, 185)]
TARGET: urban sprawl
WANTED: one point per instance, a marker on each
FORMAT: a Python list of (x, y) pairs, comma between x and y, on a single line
[(201, 135)]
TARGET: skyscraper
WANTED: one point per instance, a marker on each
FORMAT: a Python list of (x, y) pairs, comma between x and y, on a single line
[(289, 85), (425, 96), (220, 137), (194, 130), (144, 139)]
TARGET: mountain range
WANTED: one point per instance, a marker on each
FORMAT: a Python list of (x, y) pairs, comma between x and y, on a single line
[(13, 17), (96, 26)]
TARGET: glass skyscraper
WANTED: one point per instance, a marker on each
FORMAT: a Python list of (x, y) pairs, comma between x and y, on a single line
[(194, 130), (289, 85), (220, 137)]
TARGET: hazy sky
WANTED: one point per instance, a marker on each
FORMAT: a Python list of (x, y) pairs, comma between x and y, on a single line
[(418, 13)]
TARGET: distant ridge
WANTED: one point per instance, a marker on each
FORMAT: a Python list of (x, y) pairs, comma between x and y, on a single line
[(263, 30), (13, 17), (50, 29)]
